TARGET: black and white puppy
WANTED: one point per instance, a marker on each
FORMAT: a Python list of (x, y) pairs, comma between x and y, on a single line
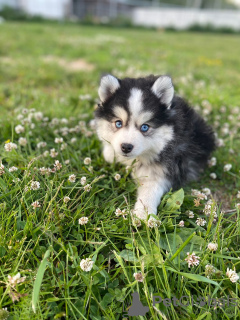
[(142, 120)]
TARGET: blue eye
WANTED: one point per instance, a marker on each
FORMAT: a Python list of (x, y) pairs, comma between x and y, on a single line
[(144, 128), (118, 124)]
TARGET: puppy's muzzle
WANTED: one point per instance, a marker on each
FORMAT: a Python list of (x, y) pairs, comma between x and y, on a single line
[(126, 147)]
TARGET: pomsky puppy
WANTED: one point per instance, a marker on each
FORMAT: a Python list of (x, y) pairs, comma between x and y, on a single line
[(142, 120)]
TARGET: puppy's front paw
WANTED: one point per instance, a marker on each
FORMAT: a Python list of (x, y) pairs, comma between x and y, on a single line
[(142, 212)]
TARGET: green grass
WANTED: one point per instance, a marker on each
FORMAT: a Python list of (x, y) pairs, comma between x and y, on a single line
[(47, 244)]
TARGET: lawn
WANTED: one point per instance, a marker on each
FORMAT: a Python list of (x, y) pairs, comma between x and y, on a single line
[(61, 203)]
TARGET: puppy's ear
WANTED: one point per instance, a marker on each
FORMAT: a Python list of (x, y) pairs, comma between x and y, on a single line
[(164, 90), (108, 85)]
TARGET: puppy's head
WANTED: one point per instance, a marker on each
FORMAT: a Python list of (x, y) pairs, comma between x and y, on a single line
[(133, 114)]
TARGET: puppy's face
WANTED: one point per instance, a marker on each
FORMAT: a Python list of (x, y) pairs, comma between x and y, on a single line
[(133, 115)]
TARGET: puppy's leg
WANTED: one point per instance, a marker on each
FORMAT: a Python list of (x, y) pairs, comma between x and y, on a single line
[(149, 196), (108, 152)]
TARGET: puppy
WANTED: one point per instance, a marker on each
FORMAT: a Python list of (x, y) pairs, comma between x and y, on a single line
[(142, 120)]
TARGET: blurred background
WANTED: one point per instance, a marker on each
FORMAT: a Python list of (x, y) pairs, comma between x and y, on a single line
[(179, 14), (53, 52)]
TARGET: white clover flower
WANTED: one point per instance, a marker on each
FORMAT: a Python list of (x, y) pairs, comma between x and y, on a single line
[(63, 146), (225, 131), (73, 140), (120, 212), (24, 111), (12, 169), (20, 117), (64, 131), (232, 275), (53, 153), (66, 199), (206, 191), (32, 125), (87, 161), (138, 276), (220, 143), (201, 222), (212, 246), (72, 178), (227, 167), (213, 175), (223, 109), (90, 168), (83, 181), (9, 146), (67, 161), (58, 140), (236, 110), (42, 170), (206, 104), (19, 129), (192, 260), (190, 214), (87, 187), (64, 121), (13, 281), (4, 314), (181, 223), (77, 129), (45, 171), (2, 171), (83, 220), (209, 208), (55, 121), (57, 165), (86, 264), (153, 223), (38, 115), (46, 153), (41, 144), (35, 185), (212, 162), (85, 97), (88, 133), (198, 194), (238, 205), (117, 176), (26, 189), (22, 141), (136, 222), (36, 204), (209, 270)]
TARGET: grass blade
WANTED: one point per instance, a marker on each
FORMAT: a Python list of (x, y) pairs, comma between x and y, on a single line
[(38, 281)]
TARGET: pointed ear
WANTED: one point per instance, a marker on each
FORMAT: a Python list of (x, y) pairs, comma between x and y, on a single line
[(108, 85), (164, 90)]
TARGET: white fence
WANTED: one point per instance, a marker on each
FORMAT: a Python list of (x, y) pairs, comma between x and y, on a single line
[(184, 18)]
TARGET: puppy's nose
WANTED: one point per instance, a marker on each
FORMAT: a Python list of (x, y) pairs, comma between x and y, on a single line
[(126, 147)]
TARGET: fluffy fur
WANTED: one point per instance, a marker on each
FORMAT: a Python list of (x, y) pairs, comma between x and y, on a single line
[(174, 149)]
